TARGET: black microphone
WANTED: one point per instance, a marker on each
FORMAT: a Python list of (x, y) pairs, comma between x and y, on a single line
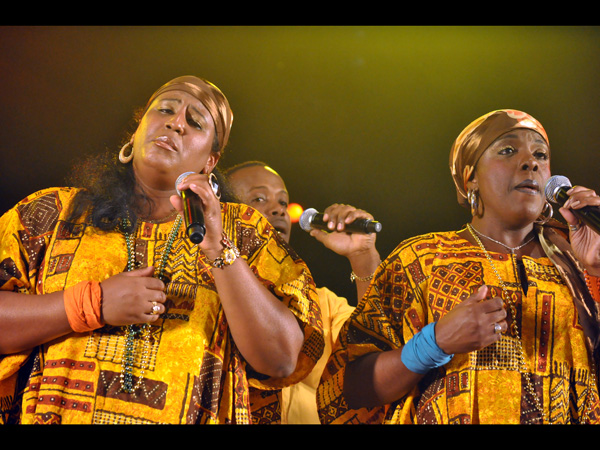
[(311, 219), (192, 212), (556, 191)]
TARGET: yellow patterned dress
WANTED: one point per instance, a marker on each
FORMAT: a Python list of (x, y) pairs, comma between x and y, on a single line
[(423, 279), (192, 373)]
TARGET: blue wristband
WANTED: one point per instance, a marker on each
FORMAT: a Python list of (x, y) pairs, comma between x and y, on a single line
[(421, 353)]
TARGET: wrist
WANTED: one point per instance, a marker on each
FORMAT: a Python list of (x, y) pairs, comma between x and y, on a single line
[(364, 257), (363, 265), (226, 256), (83, 306), (421, 353), (212, 246)]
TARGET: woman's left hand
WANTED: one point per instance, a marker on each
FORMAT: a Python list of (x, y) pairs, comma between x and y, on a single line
[(211, 207), (584, 241)]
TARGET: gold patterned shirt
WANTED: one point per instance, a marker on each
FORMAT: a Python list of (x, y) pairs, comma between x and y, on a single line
[(423, 279), (192, 370)]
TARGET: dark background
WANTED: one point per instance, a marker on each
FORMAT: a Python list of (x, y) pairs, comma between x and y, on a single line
[(363, 115)]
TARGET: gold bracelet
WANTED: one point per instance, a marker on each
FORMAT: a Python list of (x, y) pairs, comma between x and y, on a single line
[(228, 256), (354, 277)]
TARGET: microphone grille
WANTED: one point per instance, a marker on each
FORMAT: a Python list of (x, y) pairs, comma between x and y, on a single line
[(180, 179), (306, 219), (552, 185)]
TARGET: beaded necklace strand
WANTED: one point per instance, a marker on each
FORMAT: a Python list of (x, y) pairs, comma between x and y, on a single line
[(132, 331)]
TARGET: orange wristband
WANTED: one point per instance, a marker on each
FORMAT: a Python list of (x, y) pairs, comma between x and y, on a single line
[(83, 304), (593, 285)]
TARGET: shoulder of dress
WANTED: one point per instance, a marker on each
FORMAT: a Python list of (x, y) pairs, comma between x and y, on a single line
[(40, 211), (237, 210), (60, 193), (240, 212), (428, 240)]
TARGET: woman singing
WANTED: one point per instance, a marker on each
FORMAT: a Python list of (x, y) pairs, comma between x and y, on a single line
[(110, 314), (493, 323)]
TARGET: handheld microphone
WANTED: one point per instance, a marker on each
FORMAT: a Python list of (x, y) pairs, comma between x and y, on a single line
[(311, 219), (192, 212), (556, 191)]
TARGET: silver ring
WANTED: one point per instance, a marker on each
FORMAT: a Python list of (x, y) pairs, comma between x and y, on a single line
[(155, 308), (497, 328), (574, 227)]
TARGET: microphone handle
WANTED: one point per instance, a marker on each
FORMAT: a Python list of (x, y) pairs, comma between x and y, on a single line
[(589, 215), (193, 217), (359, 225)]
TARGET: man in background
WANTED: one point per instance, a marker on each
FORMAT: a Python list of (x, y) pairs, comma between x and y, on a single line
[(259, 186)]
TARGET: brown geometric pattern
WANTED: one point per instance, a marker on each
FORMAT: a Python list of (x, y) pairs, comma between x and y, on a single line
[(39, 216), (152, 394), (211, 369), (429, 413), (423, 279), (104, 417), (541, 272), (193, 371), (451, 284), (47, 419), (266, 406), (8, 271), (108, 344), (181, 273)]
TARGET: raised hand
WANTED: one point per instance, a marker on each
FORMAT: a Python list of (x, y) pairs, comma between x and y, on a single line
[(211, 207), (584, 241)]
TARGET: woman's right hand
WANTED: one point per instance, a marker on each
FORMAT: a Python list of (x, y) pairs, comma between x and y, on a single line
[(199, 183), (470, 325), (585, 242), (337, 239), (128, 297)]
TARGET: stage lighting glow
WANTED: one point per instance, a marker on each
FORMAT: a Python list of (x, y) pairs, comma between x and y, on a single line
[(295, 211)]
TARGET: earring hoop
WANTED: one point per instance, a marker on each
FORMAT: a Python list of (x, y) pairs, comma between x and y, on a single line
[(126, 158), (541, 220), (214, 184), (473, 202)]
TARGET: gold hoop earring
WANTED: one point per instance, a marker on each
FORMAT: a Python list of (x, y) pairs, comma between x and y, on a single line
[(541, 220), (122, 157), (473, 202), (214, 184)]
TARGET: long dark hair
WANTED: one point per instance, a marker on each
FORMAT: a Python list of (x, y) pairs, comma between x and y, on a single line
[(108, 192)]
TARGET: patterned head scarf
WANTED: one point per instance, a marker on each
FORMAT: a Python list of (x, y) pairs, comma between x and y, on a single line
[(210, 96), (477, 137)]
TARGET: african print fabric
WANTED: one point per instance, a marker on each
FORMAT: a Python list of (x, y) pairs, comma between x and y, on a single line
[(300, 399), (297, 404), (193, 372), (423, 279)]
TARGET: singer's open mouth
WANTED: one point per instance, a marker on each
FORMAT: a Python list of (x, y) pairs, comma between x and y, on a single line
[(280, 227)]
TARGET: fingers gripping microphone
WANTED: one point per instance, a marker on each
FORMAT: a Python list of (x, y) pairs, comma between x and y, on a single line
[(556, 191), (311, 219), (192, 212)]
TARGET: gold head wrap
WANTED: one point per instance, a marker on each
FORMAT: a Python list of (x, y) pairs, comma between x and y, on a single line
[(211, 97), (477, 137)]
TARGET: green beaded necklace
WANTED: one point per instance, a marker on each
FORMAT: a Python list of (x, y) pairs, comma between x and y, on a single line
[(133, 331)]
